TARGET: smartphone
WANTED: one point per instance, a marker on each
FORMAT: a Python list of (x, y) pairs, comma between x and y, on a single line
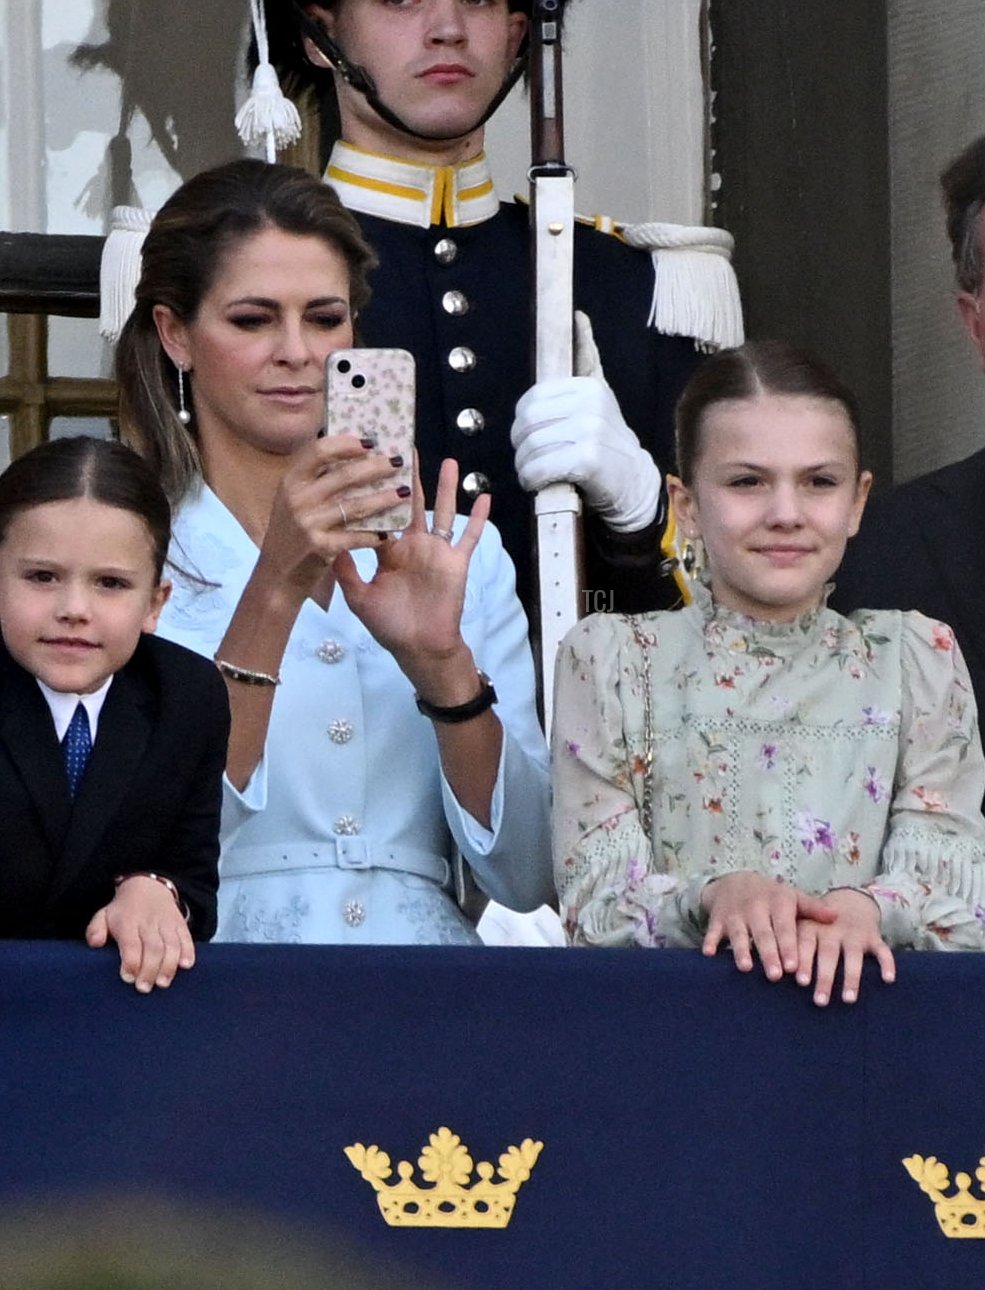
[(369, 393)]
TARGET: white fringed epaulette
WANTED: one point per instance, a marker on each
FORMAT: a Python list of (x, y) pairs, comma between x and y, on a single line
[(695, 291), (119, 268)]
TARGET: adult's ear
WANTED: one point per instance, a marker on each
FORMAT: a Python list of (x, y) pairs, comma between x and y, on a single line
[(324, 18), (970, 309), (518, 29), (173, 335)]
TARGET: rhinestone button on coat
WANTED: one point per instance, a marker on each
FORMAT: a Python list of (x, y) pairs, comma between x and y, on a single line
[(330, 651), (340, 731)]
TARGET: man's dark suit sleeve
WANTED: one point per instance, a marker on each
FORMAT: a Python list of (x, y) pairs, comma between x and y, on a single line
[(922, 546), (890, 563)]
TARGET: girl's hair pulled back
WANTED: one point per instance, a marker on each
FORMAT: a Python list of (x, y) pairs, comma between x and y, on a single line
[(758, 367)]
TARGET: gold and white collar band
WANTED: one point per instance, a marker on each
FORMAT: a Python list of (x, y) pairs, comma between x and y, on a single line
[(407, 192)]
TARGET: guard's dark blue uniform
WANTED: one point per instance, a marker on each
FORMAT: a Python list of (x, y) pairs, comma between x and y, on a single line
[(459, 300), (454, 287)]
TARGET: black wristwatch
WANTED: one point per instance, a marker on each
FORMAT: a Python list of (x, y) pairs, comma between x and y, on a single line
[(462, 711)]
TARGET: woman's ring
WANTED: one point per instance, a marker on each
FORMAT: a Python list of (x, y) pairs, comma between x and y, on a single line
[(345, 518), (444, 534)]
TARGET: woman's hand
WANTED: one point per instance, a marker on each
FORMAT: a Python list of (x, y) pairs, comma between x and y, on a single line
[(855, 934), (149, 929), (314, 503), (413, 607), (749, 909), (413, 603), (305, 531)]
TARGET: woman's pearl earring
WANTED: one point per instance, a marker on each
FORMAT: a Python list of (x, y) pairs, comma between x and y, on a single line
[(184, 416)]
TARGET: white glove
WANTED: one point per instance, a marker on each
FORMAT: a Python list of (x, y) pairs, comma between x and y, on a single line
[(569, 430)]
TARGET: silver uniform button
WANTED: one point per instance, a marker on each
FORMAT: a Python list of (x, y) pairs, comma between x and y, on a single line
[(461, 359), (470, 421), (340, 731), (475, 482), (354, 913), (346, 826), (455, 302), (446, 251), (330, 652)]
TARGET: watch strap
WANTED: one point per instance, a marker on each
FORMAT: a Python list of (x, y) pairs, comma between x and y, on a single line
[(461, 711)]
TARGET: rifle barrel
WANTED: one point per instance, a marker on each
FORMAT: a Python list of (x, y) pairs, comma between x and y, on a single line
[(557, 507)]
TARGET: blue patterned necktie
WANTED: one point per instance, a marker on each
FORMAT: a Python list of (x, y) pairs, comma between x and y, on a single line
[(77, 745)]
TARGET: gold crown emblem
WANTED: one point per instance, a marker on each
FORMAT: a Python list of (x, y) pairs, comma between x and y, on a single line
[(446, 1164), (960, 1214)]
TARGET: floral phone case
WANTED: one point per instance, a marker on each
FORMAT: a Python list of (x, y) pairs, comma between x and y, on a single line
[(369, 393)]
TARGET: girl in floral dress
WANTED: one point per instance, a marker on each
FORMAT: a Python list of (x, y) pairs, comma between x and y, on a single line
[(756, 768)]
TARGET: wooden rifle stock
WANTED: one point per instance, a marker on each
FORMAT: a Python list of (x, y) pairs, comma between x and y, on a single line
[(558, 506)]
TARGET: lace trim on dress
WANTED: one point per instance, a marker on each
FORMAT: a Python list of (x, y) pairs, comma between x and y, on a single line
[(797, 628)]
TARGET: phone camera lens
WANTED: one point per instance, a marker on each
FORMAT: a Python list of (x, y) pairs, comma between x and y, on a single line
[(358, 381), (344, 365)]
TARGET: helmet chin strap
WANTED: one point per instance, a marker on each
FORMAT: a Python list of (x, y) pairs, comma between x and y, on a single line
[(360, 79)]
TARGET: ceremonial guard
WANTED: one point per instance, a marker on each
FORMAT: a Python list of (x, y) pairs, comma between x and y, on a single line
[(415, 85)]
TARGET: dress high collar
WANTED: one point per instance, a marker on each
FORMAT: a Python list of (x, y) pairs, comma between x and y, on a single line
[(726, 626), (409, 192)]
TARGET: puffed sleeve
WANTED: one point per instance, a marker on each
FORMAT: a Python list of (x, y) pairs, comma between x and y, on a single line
[(931, 890), (512, 859), (604, 869)]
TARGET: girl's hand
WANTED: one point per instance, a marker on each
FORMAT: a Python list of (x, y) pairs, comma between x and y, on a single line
[(855, 934), (749, 910), (413, 603), (147, 925), (314, 503)]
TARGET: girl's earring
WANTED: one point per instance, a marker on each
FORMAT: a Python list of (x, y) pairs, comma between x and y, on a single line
[(184, 416), (693, 557)]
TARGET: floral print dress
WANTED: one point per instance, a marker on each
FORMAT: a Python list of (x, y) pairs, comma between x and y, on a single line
[(826, 752)]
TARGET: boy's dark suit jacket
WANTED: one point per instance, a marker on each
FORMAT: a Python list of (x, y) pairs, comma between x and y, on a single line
[(922, 546), (149, 801)]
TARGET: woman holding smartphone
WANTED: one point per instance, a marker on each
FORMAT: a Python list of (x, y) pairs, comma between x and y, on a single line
[(368, 743)]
